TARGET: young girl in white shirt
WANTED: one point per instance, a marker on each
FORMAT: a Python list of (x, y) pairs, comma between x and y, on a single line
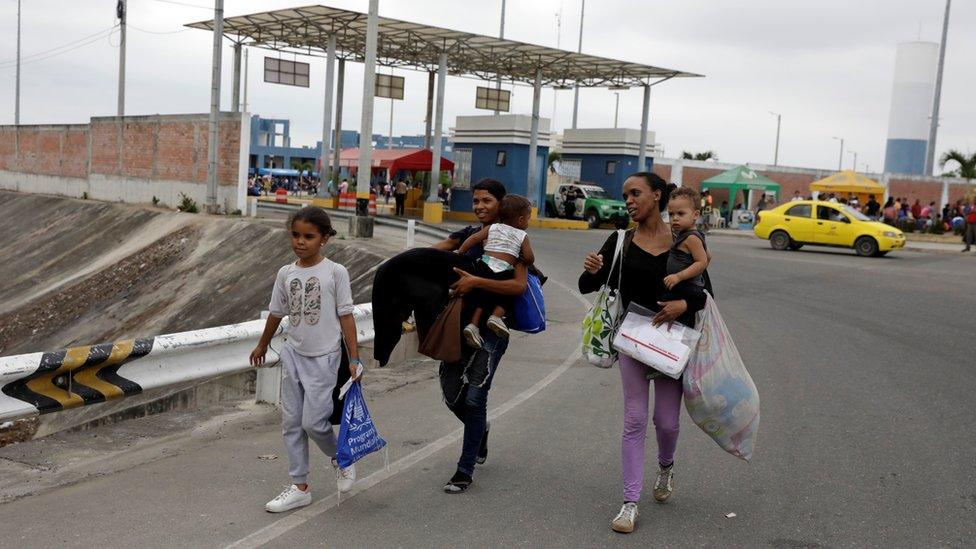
[(314, 293)]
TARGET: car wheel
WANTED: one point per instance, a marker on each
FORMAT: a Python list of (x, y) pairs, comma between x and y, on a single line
[(780, 240), (795, 246), (866, 246), (592, 219), (622, 223)]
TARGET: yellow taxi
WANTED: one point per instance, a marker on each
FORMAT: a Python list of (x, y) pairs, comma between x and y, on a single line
[(791, 225)]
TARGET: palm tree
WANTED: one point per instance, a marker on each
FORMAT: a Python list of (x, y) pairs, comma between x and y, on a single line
[(967, 164), (703, 156), (553, 157)]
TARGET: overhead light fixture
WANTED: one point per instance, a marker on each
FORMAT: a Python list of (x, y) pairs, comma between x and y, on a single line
[(562, 87), (618, 87)]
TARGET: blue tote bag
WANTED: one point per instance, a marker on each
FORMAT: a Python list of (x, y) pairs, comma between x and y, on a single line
[(358, 436), (530, 308)]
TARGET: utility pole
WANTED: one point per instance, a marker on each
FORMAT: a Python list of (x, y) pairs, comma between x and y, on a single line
[(120, 10), (579, 49), (934, 122), (17, 92), (218, 35), (776, 151), (840, 156), (555, 92), (244, 101), (854, 164), (498, 81), (616, 109)]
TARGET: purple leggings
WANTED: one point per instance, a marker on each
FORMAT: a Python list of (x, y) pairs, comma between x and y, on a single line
[(667, 406)]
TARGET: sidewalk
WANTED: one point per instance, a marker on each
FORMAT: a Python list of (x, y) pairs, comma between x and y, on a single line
[(910, 245)]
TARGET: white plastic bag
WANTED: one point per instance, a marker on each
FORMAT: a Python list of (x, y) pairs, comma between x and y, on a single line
[(720, 396), (664, 349)]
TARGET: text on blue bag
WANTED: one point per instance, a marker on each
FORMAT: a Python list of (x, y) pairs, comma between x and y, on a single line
[(358, 436)]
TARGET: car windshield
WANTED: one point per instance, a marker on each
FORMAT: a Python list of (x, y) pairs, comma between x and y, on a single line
[(855, 214), (596, 193)]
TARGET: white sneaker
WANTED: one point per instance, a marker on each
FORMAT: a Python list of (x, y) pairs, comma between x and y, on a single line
[(626, 519), (497, 325), (290, 498), (472, 336), (345, 476)]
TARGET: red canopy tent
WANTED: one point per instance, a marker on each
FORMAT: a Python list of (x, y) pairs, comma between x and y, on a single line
[(415, 160)]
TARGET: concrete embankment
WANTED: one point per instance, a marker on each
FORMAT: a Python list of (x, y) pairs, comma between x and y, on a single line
[(79, 272), (82, 272)]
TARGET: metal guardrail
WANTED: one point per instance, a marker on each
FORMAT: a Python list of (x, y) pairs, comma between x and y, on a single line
[(41, 383)]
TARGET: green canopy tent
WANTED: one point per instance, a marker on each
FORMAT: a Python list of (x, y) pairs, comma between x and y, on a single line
[(741, 178)]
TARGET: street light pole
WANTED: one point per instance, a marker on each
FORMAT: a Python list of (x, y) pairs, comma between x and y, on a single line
[(218, 35), (579, 49), (934, 122), (616, 109), (854, 164), (840, 156), (498, 81), (779, 118), (17, 92), (123, 15)]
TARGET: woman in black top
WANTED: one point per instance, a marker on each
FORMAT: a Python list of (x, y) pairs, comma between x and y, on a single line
[(645, 259)]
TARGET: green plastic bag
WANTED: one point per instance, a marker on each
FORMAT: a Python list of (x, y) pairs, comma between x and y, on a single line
[(601, 321)]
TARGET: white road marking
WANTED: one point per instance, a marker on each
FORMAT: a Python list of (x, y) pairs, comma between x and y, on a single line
[(294, 520)]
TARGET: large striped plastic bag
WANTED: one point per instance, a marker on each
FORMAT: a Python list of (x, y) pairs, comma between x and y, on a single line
[(719, 393)]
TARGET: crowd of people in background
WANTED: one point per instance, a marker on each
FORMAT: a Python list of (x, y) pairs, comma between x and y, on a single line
[(293, 185), (387, 191), (909, 215)]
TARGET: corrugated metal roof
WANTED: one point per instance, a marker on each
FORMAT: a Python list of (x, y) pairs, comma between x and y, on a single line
[(306, 30)]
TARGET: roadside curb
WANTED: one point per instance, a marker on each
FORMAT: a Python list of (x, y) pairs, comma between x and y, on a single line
[(468, 217)]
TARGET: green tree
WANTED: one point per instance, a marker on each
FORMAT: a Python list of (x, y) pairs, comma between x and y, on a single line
[(703, 156), (966, 162)]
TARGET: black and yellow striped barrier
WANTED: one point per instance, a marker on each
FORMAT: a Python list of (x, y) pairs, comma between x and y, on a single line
[(79, 375)]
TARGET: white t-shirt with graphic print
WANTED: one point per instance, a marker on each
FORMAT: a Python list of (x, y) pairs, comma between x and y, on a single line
[(313, 299)]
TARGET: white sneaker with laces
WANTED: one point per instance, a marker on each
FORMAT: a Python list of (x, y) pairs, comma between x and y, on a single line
[(289, 498), (472, 336), (345, 476), (497, 325), (626, 519)]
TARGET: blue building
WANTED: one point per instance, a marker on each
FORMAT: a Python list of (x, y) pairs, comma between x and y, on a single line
[(604, 157), (497, 147), (271, 145)]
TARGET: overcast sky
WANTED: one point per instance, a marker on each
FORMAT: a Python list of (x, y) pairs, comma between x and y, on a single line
[(826, 65)]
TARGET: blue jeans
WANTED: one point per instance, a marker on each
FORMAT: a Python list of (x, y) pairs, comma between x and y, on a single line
[(472, 409)]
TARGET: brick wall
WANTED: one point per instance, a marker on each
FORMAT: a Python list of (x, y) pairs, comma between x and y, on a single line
[(155, 149)]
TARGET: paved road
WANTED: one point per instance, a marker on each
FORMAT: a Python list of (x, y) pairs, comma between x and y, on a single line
[(865, 371)]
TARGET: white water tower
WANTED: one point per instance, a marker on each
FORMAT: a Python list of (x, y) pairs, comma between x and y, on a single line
[(911, 107)]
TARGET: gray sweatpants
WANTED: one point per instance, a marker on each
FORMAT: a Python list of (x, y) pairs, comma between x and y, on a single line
[(307, 383)]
